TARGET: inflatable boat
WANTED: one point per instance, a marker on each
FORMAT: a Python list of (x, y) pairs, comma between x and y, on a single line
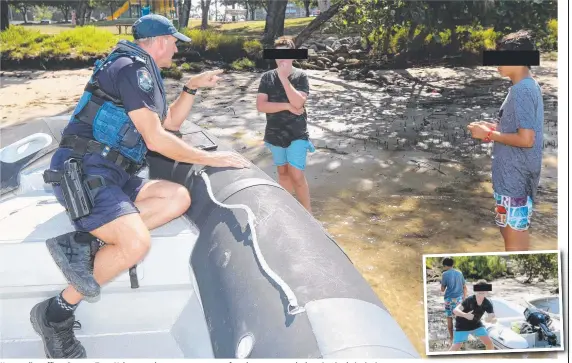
[(246, 272), (519, 327)]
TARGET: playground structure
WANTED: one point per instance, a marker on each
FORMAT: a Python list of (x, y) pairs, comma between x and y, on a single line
[(138, 8)]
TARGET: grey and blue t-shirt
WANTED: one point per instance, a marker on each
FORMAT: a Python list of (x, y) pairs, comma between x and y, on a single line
[(454, 281), (516, 170), (284, 127)]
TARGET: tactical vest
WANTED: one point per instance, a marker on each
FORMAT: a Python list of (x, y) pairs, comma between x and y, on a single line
[(110, 122)]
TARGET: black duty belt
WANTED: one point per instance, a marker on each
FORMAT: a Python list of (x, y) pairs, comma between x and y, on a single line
[(82, 146)]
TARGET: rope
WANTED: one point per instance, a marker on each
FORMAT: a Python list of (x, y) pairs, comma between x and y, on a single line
[(293, 306)]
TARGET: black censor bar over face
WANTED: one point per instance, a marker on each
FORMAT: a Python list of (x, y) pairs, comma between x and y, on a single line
[(511, 58), (482, 287), (285, 54)]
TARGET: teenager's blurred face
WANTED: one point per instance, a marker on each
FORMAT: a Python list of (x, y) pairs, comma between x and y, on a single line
[(288, 62)]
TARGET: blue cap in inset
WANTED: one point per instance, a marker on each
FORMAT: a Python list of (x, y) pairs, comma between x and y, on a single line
[(154, 25)]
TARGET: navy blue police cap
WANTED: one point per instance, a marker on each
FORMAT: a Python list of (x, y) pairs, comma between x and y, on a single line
[(154, 25)]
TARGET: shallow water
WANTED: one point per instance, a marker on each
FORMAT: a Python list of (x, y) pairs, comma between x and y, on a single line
[(386, 237)]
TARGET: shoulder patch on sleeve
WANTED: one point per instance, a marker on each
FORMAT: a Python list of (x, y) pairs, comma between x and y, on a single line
[(144, 80)]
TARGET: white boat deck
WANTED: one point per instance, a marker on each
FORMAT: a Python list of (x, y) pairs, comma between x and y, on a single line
[(161, 319)]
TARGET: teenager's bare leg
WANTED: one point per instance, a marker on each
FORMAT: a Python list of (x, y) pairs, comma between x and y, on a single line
[(284, 178), (455, 347), (450, 327), (515, 240), (487, 342), (128, 238), (300, 187)]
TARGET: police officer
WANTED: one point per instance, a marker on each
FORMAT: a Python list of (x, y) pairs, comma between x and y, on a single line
[(122, 114)]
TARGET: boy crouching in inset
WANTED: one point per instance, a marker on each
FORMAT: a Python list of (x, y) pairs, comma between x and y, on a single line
[(468, 318)]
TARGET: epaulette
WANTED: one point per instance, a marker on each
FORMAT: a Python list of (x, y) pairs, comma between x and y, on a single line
[(138, 59)]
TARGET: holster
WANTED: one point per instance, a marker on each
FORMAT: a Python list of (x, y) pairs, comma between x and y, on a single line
[(78, 191), (77, 201)]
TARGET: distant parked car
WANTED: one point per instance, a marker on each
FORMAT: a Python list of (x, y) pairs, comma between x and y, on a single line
[(45, 21)]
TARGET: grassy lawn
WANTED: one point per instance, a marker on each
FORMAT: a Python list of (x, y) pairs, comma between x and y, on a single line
[(242, 28), (252, 28)]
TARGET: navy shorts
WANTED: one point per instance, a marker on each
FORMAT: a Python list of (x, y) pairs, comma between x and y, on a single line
[(113, 200)]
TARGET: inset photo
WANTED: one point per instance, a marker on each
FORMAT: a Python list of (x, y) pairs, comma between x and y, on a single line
[(493, 302)]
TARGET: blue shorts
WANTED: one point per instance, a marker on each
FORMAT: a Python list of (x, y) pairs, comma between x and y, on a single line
[(513, 212), (115, 199), (463, 336), (450, 304), (295, 154)]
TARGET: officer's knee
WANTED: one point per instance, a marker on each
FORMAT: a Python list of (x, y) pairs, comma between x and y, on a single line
[(182, 199), (135, 246)]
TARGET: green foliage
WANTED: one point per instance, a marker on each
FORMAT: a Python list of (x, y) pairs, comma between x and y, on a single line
[(474, 267), (172, 72), (542, 265), (548, 37), (253, 48), (44, 12), (433, 262), (242, 64), (192, 67), (228, 47), (478, 38), (19, 42), (434, 21)]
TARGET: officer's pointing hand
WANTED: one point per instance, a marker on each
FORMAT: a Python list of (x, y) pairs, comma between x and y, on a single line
[(205, 79)]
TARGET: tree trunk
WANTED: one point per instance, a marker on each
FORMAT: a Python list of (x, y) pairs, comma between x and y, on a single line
[(411, 34), (4, 17), (307, 6), (318, 22), (111, 9), (184, 14), (454, 40), (274, 26), (387, 36), (66, 12), (81, 10), (205, 5), (234, 16), (24, 10)]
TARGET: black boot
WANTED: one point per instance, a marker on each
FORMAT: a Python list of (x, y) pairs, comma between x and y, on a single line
[(58, 338), (74, 254)]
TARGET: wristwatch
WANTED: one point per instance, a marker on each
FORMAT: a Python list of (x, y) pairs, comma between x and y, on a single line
[(190, 91)]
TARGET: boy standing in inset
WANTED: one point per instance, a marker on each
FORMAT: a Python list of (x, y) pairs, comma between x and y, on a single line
[(455, 289), (517, 149), (468, 318), (281, 95)]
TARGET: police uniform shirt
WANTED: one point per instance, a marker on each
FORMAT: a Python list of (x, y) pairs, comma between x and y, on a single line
[(132, 83)]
